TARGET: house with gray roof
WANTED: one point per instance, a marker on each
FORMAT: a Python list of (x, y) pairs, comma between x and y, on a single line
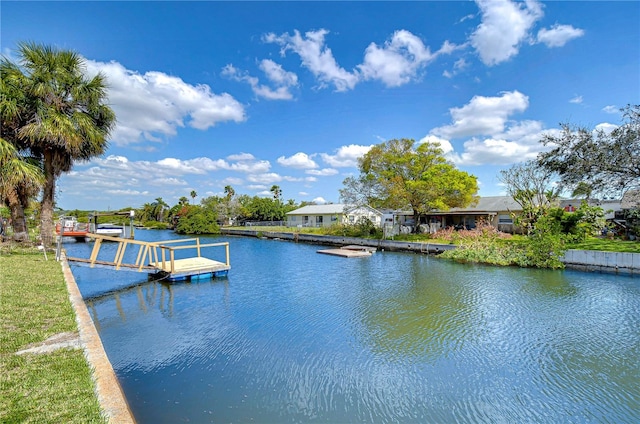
[(495, 210)]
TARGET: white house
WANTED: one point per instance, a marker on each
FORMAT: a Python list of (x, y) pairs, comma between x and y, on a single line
[(355, 213), (316, 216), (327, 215)]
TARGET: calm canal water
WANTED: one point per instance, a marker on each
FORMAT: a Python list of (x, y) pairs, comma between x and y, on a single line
[(295, 336)]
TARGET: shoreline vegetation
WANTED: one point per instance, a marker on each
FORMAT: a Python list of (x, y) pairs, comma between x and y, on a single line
[(591, 243), (48, 385)]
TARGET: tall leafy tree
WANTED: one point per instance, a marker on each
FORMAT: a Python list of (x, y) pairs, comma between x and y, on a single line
[(66, 118), (531, 186), (605, 162), (399, 174), (264, 209)]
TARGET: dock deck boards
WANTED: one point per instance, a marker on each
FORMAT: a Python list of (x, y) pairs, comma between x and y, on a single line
[(346, 253), (193, 266), (360, 248)]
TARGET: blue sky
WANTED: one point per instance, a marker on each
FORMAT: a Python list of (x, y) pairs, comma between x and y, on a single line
[(252, 94)]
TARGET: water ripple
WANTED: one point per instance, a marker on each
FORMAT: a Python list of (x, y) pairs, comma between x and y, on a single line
[(293, 336)]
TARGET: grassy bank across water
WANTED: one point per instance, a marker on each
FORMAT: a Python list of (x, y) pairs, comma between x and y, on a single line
[(46, 387)]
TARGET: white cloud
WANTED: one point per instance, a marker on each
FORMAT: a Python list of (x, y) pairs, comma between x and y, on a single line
[(152, 105), (266, 178), (232, 181), (559, 35), (326, 172), (605, 127), (127, 192), (316, 57), (458, 66), (116, 172), (492, 137), (241, 157), (398, 61), (483, 115), (445, 145), (180, 166), (494, 151), (611, 109), (300, 161), (282, 80), (168, 182), (576, 100), (319, 200), (245, 165), (277, 75), (505, 26), (520, 142), (346, 156)]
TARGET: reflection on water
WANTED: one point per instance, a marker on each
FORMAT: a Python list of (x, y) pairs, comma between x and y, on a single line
[(294, 336)]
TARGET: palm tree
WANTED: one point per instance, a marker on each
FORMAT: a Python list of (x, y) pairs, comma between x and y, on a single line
[(229, 192), (277, 191), (158, 209), (194, 194), (145, 213), (19, 181), (20, 177), (66, 117)]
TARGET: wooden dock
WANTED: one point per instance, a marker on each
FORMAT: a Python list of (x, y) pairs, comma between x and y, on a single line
[(158, 258), (348, 252), (360, 248)]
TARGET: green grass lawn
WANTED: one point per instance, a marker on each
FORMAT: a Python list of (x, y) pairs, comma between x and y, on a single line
[(54, 387), (608, 245)]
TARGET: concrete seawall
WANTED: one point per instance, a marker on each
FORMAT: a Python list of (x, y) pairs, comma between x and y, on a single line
[(584, 260), (108, 391), (597, 261), (420, 247)]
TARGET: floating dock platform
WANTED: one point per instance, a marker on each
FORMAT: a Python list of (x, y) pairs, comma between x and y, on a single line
[(359, 248), (158, 258), (193, 269), (350, 251)]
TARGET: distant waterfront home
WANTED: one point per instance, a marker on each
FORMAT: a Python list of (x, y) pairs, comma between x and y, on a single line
[(495, 210), (316, 216), (327, 215), (499, 210)]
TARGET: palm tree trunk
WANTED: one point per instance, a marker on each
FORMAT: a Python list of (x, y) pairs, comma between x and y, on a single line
[(48, 192), (18, 220)]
